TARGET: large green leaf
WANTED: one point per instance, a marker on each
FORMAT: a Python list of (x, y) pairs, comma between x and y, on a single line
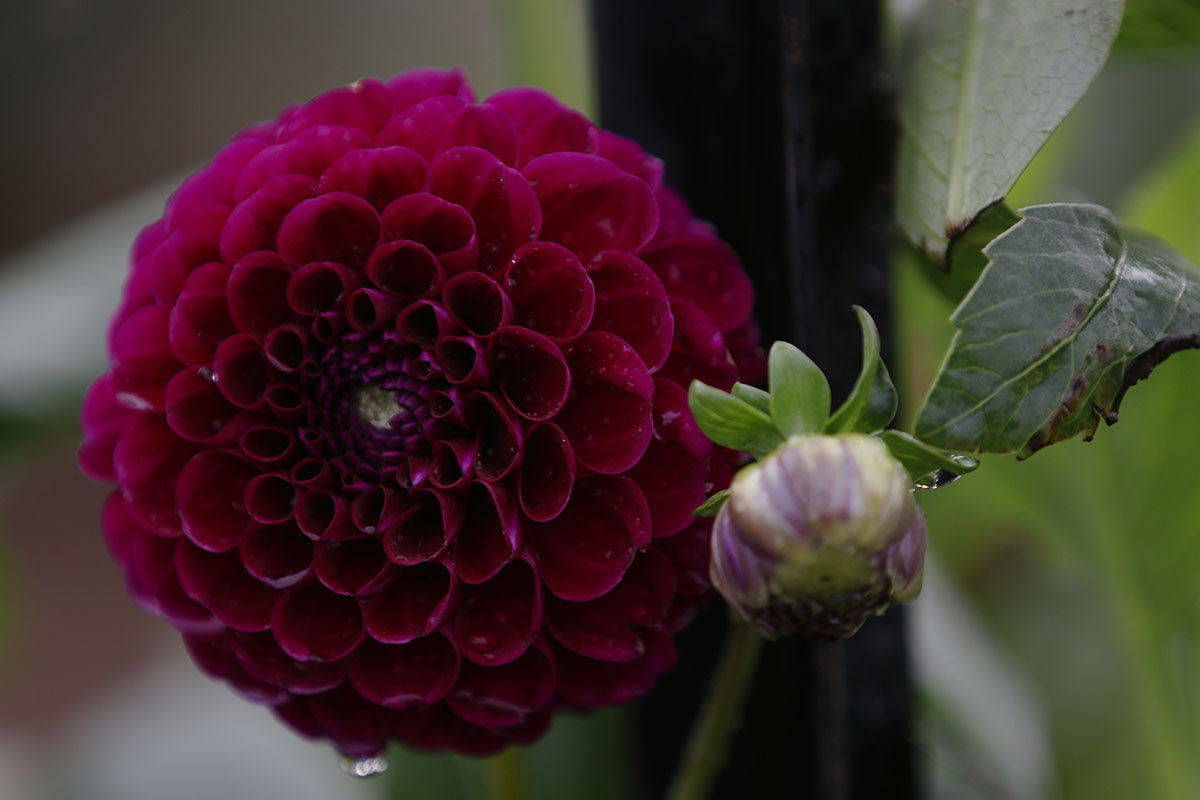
[(1068, 314), (984, 84)]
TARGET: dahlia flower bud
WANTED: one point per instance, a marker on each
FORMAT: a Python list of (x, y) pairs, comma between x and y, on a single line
[(818, 536), (397, 415)]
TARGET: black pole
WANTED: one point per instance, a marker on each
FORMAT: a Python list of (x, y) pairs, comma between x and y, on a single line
[(775, 120)]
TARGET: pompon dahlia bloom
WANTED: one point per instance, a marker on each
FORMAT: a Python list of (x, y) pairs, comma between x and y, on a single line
[(397, 414)]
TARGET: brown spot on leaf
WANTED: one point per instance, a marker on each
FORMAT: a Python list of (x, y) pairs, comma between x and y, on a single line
[(1144, 364)]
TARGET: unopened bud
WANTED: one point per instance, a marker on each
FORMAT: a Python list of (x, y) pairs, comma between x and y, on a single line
[(819, 536)]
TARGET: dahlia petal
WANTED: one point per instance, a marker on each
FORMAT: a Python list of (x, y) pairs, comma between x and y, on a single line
[(498, 198), (209, 492), (423, 323), (328, 326), (674, 484), (196, 409), (352, 566), (445, 730), (476, 302), (673, 420), (446, 229), (532, 372), (258, 293), (332, 227), (142, 361), (419, 672), (200, 319), (415, 603), (414, 85), (405, 268), (320, 286), (689, 550), (498, 619), (447, 404), (675, 215), (148, 240), (285, 402), (310, 153), (587, 683), (323, 515), (698, 351), (185, 614), (213, 184), (311, 623), (489, 537), (379, 175), (221, 583), (629, 156), (118, 526), (497, 436), (452, 463), (192, 243), (370, 309), (590, 204), (747, 353), (545, 125), (148, 567), (147, 461), (632, 303), (463, 361), (254, 223), (262, 659), (703, 269), (102, 421), (240, 370), (440, 123), (547, 472), (268, 443), (270, 498), (584, 551), (611, 627), (503, 696), (551, 293), (374, 508), (278, 555), (216, 659), (607, 415), (365, 104), (357, 728), (422, 531)]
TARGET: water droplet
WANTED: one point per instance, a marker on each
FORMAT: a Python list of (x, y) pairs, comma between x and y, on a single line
[(937, 479), (365, 767)]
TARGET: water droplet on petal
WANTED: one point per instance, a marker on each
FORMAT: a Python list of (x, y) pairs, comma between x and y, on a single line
[(365, 767), (936, 479)]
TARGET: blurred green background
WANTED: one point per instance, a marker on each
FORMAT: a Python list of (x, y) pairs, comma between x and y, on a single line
[(1057, 644)]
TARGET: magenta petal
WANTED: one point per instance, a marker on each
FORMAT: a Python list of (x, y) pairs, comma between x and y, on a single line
[(414, 85), (371, 309), (545, 125), (209, 492), (102, 421), (258, 293), (322, 515), (588, 683), (148, 567), (406, 268), (261, 657), (532, 372), (309, 153), (547, 472), (499, 619), (254, 223), (147, 461), (462, 360), (313, 624), (610, 628), (142, 360), (629, 156), (551, 293), (503, 696), (270, 498), (589, 204), (416, 601), (216, 659), (286, 346), (446, 229), (278, 555), (220, 582), (118, 527), (440, 123), (498, 198), (240, 370), (424, 322), (353, 566), (699, 351), (267, 443), (421, 532), (378, 176), (356, 727), (213, 184), (584, 551), (703, 269), (320, 286), (417, 673), (192, 243), (477, 302), (451, 465), (607, 416), (486, 541), (497, 436), (674, 484), (673, 420), (365, 104), (200, 319), (632, 303), (333, 227)]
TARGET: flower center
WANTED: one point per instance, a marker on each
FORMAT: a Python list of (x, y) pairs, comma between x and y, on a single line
[(376, 406)]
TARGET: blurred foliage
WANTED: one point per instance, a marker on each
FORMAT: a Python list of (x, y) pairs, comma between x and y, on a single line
[(1159, 25)]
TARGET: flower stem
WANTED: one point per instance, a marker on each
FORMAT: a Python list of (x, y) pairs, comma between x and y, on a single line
[(505, 775), (708, 745)]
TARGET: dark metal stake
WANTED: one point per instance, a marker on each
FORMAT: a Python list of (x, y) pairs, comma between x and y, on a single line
[(775, 120)]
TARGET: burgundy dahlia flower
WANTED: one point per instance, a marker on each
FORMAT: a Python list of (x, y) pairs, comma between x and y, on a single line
[(397, 414)]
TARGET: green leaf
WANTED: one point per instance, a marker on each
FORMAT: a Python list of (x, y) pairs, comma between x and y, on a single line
[(731, 422), (922, 460), (712, 505), (984, 84), (872, 402), (1155, 25), (1069, 314), (752, 395), (800, 395)]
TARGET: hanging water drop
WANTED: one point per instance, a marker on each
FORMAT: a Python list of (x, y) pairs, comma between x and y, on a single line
[(936, 479), (365, 767)]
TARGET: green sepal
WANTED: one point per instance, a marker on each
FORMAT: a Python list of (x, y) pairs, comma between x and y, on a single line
[(732, 422), (712, 505), (922, 460), (872, 402), (800, 396), (752, 395)]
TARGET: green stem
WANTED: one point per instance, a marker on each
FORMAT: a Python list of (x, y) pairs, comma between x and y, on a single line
[(505, 775), (708, 746)]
